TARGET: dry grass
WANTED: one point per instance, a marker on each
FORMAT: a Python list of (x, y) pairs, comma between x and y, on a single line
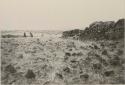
[(61, 61)]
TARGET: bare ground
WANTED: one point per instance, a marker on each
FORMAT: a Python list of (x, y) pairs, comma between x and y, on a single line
[(62, 62)]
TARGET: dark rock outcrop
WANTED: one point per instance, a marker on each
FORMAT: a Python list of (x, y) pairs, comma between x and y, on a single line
[(109, 30), (72, 33)]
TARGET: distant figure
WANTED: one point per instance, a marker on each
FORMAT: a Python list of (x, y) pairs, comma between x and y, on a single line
[(31, 34), (24, 34)]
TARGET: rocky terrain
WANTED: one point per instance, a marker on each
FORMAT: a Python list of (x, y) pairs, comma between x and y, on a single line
[(99, 30), (55, 59)]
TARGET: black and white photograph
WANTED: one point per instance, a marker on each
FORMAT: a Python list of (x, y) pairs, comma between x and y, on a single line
[(62, 42)]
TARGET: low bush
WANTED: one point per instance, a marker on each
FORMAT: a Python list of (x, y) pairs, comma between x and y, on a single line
[(104, 52), (84, 77), (67, 70), (108, 73), (10, 69), (67, 54), (58, 75), (97, 67), (30, 74), (120, 52)]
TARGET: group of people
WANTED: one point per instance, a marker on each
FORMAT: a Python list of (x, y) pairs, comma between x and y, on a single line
[(31, 35)]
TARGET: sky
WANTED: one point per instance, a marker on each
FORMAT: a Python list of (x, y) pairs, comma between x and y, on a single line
[(57, 14)]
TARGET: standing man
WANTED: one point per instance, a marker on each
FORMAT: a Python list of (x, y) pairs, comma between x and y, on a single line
[(31, 34)]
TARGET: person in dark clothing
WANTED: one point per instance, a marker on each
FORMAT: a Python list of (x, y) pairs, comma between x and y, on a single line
[(24, 34), (31, 34)]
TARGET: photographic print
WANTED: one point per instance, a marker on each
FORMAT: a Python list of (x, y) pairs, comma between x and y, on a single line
[(62, 42)]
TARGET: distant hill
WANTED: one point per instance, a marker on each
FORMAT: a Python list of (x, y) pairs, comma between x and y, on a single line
[(20, 33), (100, 30)]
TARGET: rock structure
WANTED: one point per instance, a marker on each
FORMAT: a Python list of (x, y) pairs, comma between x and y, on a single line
[(109, 30)]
